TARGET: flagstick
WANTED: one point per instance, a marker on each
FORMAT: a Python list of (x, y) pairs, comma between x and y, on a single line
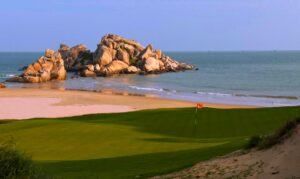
[(196, 116)]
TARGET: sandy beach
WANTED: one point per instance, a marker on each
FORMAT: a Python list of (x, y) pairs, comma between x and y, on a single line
[(41, 103)]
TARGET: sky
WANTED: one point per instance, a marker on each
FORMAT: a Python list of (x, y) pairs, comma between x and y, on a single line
[(170, 25)]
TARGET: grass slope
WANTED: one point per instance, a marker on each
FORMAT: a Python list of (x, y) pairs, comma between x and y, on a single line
[(139, 144)]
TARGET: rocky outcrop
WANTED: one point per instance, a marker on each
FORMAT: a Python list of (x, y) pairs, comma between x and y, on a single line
[(75, 58), (115, 55), (2, 85), (46, 68)]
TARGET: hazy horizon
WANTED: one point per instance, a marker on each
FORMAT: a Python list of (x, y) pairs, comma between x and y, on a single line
[(174, 51), (170, 25)]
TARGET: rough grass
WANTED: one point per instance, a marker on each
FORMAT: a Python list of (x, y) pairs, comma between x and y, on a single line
[(142, 143), (267, 141), (15, 164)]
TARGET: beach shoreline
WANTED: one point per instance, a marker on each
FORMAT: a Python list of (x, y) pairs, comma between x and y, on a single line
[(26, 103)]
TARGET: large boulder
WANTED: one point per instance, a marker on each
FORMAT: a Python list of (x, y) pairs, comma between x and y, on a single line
[(151, 65), (132, 70), (114, 67), (88, 73), (103, 55), (46, 68), (170, 65), (120, 40), (147, 53), (123, 56)]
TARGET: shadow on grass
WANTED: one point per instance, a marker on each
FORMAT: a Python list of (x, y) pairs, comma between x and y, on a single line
[(207, 123), (184, 123), (138, 165)]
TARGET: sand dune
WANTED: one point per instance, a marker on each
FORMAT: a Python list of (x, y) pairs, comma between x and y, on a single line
[(279, 162)]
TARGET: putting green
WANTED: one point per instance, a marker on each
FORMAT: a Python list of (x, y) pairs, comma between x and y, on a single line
[(139, 144)]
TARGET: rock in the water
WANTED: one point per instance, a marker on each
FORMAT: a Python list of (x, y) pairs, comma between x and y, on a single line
[(114, 55), (2, 85), (88, 73), (114, 67), (170, 65), (48, 67), (114, 49), (184, 66), (16, 79), (132, 70)]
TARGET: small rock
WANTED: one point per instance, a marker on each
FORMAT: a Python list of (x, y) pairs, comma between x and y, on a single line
[(49, 53), (275, 172), (132, 70), (2, 85), (87, 73)]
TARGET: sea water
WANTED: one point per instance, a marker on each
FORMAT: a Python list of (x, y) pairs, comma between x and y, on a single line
[(250, 78)]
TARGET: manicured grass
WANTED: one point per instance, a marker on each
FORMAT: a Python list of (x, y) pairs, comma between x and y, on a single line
[(139, 144)]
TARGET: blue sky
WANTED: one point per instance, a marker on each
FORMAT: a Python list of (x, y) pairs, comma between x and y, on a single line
[(183, 25)]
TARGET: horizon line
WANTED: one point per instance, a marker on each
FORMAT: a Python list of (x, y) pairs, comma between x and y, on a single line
[(191, 51)]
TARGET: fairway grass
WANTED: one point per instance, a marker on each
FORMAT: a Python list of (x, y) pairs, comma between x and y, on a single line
[(142, 143)]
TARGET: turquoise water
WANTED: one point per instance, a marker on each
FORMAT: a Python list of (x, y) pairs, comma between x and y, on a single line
[(255, 78)]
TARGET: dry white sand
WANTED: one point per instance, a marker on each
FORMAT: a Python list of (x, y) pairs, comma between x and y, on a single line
[(45, 103), (28, 107)]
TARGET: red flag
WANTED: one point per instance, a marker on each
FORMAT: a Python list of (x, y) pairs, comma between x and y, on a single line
[(199, 105)]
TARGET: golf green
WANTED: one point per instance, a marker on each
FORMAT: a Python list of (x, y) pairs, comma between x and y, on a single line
[(139, 144)]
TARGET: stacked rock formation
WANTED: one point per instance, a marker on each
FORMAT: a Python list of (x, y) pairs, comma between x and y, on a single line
[(116, 55), (46, 68)]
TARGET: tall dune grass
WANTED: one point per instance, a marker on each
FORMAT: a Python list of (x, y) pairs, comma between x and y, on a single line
[(264, 142)]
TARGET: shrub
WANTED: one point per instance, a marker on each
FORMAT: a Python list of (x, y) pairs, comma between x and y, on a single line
[(16, 164), (275, 138), (254, 142)]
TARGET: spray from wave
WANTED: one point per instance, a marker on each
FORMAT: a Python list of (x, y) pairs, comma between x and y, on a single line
[(6, 75), (145, 88)]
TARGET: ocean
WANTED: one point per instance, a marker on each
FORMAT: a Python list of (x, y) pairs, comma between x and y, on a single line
[(246, 78)]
